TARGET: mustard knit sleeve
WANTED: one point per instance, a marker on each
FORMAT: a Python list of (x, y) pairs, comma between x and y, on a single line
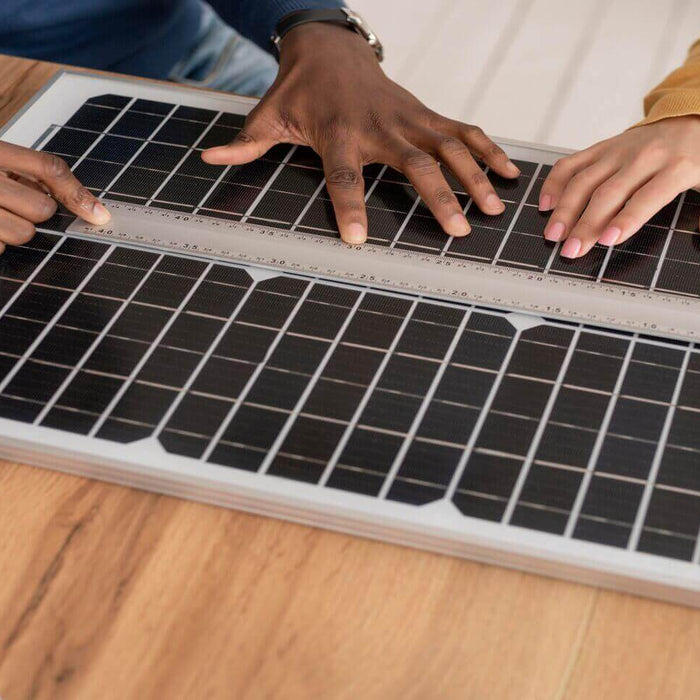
[(679, 94)]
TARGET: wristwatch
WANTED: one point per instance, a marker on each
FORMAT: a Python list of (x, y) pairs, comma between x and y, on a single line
[(342, 15)]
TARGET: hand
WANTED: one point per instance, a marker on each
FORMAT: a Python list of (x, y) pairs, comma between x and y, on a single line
[(332, 95), (26, 179), (606, 193)]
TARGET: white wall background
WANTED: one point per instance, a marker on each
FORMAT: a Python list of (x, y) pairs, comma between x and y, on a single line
[(563, 72)]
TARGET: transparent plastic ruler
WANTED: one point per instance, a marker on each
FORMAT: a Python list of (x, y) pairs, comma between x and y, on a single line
[(389, 268)]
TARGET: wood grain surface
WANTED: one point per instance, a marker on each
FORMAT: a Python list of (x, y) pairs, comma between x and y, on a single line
[(108, 592)]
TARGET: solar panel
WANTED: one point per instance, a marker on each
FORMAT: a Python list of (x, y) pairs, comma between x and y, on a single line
[(557, 446)]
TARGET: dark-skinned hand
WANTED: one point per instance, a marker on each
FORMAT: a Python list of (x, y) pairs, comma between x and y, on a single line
[(26, 179), (332, 95)]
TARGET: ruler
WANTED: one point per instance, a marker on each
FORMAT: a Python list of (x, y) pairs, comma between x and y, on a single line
[(453, 279)]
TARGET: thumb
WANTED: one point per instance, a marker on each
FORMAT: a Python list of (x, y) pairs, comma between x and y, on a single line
[(252, 142)]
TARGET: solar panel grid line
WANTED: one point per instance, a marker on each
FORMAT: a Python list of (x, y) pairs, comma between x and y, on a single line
[(552, 257), (231, 414), (402, 228), (147, 355), (484, 412), (369, 391), (91, 148), (598, 443), (212, 189), (129, 162), (643, 508), (541, 427), (268, 185), (667, 244), (202, 364), (50, 325), (604, 264), (98, 339), (321, 186), (23, 286), (311, 384), (518, 210), (427, 399), (179, 164)]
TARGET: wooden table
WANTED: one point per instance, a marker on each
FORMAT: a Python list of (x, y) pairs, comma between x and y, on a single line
[(107, 592)]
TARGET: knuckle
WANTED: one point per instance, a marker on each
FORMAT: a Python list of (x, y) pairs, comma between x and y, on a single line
[(479, 179), (80, 197), (245, 136), (333, 129), (474, 131), (452, 146), (562, 166), (497, 151), (684, 164), (374, 123), (606, 192), (54, 167), (653, 151), (419, 162), (444, 196), (45, 208), (345, 178)]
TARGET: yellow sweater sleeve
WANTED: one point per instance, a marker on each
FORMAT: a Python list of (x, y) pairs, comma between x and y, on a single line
[(679, 94)]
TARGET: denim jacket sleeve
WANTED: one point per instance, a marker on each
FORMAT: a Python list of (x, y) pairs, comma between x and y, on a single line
[(257, 19)]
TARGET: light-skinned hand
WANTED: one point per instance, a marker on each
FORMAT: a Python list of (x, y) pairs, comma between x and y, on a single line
[(606, 193)]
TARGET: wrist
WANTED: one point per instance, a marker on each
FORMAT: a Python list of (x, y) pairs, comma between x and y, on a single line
[(319, 39)]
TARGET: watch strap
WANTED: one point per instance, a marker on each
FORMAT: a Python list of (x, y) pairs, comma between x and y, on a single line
[(298, 17), (340, 16)]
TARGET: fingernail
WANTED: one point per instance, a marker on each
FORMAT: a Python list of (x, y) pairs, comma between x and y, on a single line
[(610, 236), (457, 225), (571, 248), (545, 202), (493, 202), (555, 231), (355, 233), (513, 168), (102, 216)]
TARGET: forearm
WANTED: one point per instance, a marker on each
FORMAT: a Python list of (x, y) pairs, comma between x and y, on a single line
[(679, 94), (257, 19)]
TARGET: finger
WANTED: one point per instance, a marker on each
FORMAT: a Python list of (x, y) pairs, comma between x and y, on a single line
[(561, 173), (343, 170), (26, 181), (254, 140), (487, 151), (574, 198), (647, 201), (25, 201), (57, 176), (606, 202), (456, 156), (14, 230), (424, 173)]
